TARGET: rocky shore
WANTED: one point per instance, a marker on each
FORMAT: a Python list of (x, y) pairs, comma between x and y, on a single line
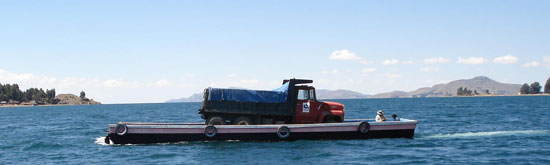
[(70, 99), (61, 99)]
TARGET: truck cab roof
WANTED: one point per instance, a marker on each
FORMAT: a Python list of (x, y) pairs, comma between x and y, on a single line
[(298, 81)]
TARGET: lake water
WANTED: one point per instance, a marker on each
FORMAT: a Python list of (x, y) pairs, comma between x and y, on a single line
[(450, 131)]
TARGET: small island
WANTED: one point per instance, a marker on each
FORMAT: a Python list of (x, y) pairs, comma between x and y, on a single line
[(12, 96)]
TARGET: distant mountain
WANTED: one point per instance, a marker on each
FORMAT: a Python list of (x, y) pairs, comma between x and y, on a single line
[(197, 97), (71, 99), (394, 94), (480, 84), (324, 94)]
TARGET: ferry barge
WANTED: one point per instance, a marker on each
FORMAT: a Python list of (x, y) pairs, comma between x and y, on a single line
[(290, 112), (146, 133)]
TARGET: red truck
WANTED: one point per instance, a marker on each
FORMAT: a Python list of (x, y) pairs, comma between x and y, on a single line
[(293, 103)]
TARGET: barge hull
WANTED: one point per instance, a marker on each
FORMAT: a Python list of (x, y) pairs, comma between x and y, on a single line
[(146, 133), (172, 138)]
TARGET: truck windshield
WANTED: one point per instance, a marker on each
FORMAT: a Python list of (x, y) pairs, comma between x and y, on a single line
[(304, 94)]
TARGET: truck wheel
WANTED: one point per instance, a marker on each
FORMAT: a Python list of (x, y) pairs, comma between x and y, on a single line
[(242, 120), (216, 120), (364, 127), (121, 129), (283, 132), (210, 131)]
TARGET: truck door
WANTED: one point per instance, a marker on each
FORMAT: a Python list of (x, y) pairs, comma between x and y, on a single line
[(307, 107)]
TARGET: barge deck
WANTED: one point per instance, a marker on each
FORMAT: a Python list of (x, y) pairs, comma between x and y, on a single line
[(146, 133)]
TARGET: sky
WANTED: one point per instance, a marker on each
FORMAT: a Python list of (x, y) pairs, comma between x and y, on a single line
[(153, 51)]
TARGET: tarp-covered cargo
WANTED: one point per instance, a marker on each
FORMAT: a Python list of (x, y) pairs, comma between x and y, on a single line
[(277, 102), (278, 95)]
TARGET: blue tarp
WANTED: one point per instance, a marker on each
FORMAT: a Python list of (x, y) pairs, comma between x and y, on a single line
[(242, 95)]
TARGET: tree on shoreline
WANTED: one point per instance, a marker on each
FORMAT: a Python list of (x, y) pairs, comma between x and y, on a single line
[(12, 93), (547, 86), (82, 95), (534, 88), (464, 91), (524, 89)]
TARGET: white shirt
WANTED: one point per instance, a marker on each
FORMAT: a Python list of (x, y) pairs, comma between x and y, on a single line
[(380, 118)]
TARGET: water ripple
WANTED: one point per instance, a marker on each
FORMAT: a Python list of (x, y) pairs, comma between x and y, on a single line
[(473, 130), (492, 133)]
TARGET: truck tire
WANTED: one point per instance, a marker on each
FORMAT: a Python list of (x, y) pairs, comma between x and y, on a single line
[(121, 129), (216, 120), (364, 127), (283, 132), (242, 120), (210, 131)]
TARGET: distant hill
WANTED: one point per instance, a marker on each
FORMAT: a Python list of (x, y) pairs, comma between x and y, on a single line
[(197, 97), (322, 94), (481, 84), (394, 94), (71, 99)]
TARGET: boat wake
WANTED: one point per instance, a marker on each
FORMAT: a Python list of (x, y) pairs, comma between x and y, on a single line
[(101, 141), (491, 133)]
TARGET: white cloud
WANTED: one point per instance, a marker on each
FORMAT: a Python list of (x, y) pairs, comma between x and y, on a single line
[(390, 61), (407, 62), (6, 77), (343, 54), (438, 60), (429, 69), (471, 60), (105, 91), (508, 59), (368, 70), (392, 75), (531, 64)]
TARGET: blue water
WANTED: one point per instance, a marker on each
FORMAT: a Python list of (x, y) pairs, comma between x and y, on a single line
[(450, 130)]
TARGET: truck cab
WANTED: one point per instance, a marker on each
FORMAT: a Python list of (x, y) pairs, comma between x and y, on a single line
[(293, 103), (310, 110)]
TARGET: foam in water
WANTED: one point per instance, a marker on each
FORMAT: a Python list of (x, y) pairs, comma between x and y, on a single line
[(492, 133), (101, 141)]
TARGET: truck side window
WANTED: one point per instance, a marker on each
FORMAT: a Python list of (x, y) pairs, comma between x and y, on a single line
[(311, 94), (303, 94)]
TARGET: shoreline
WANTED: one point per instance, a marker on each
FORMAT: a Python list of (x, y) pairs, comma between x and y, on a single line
[(45, 105), (527, 95)]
